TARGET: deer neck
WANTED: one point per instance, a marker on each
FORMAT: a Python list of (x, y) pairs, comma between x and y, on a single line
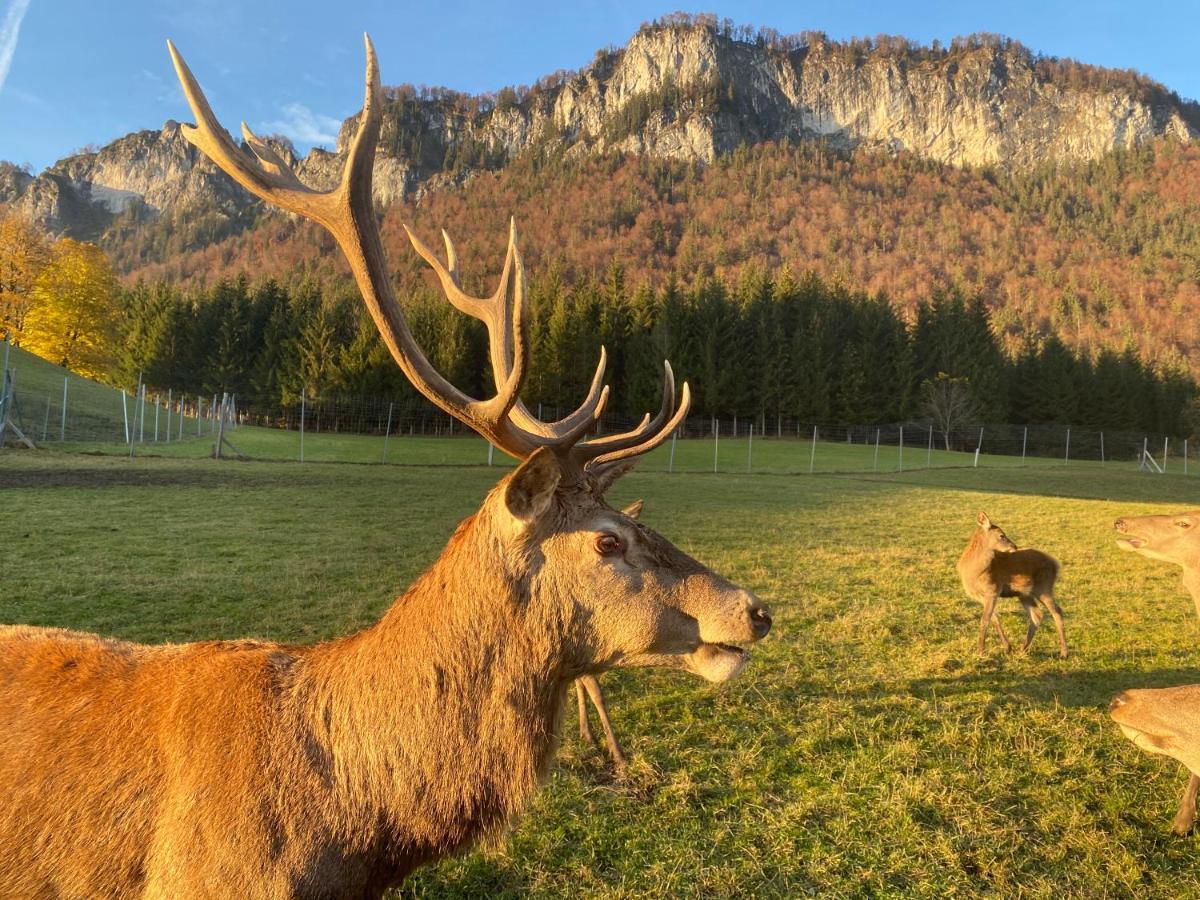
[(977, 557), (442, 718)]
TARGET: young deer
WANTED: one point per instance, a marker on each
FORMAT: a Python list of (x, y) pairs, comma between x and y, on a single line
[(992, 567), (1166, 721), (255, 769)]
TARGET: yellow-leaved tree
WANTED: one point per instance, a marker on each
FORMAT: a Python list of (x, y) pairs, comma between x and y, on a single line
[(24, 251), (73, 318)]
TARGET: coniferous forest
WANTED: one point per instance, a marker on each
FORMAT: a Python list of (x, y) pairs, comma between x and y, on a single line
[(768, 345)]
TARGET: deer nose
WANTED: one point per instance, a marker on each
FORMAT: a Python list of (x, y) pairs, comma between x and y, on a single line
[(1120, 526), (1119, 700), (760, 619)]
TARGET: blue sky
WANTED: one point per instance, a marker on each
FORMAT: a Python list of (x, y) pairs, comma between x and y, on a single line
[(78, 72)]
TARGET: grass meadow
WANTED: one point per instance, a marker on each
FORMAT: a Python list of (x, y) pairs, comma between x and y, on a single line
[(867, 750)]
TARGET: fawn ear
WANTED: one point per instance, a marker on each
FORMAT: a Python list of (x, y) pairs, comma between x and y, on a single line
[(531, 488), (633, 510), (983, 520)]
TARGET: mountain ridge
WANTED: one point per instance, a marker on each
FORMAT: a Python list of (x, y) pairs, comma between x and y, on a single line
[(684, 88)]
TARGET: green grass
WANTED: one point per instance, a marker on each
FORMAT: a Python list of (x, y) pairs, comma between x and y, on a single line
[(866, 751)]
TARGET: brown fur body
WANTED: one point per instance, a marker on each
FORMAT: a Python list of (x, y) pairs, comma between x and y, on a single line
[(992, 567)]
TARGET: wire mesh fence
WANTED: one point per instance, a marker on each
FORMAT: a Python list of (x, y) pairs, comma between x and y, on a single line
[(82, 416)]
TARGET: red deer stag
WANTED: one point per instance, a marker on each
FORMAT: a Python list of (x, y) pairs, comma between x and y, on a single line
[(992, 567), (1166, 721), (254, 769)]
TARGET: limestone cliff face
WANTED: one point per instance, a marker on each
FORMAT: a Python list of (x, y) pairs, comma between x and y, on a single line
[(689, 91)]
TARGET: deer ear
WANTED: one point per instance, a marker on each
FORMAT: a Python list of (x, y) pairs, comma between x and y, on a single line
[(633, 510), (604, 475), (531, 488), (983, 520)]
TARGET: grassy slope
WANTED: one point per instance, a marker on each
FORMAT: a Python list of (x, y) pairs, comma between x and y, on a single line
[(94, 410), (866, 750)]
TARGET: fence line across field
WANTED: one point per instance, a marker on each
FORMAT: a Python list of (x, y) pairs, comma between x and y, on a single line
[(77, 414)]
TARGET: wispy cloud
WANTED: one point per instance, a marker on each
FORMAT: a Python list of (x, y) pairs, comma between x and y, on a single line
[(10, 29), (304, 126)]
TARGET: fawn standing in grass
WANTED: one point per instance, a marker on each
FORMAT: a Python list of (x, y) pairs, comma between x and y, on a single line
[(992, 567)]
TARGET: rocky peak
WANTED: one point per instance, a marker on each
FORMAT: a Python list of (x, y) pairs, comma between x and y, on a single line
[(686, 88)]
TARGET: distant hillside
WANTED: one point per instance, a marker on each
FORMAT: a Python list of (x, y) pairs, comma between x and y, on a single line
[(1065, 195), (1104, 254)]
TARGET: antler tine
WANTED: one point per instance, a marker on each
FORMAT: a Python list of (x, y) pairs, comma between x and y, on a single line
[(347, 212), (647, 435), (502, 327), (685, 403)]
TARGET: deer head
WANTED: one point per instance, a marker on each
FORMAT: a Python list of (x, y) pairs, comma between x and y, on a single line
[(991, 535), (1165, 721), (1171, 538), (621, 593)]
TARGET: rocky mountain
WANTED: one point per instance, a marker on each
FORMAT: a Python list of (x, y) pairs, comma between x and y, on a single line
[(686, 88)]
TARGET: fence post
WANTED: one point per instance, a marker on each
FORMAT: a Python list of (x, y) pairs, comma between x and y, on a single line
[(125, 415), (491, 452), (170, 397), (181, 396), (1067, 452), (901, 448), (199, 413), (750, 448), (1102, 448), (1165, 440), (929, 452), (812, 456), (157, 404), (716, 441), (303, 398), (387, 432), (671, 461), (62, 432), (46, 419), (1024, 441), (876, 469)]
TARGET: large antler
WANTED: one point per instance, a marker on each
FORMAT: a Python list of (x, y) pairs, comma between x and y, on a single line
[(347, 212)]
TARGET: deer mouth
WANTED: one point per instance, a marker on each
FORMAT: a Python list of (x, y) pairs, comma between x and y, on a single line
[(1130, 543), (718, 662)]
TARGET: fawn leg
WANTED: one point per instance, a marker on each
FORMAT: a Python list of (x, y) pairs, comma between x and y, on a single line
[(1186, 817), (989, 610), (1035, 619), (1000, 629), (1055, 611), (614, 747), (585, 728)]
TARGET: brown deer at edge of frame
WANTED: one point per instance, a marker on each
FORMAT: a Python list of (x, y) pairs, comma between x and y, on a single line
[(256, 769), (992, 567), (1166, 721)]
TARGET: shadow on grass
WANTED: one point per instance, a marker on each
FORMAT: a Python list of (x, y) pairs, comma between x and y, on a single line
[(1077, 689)]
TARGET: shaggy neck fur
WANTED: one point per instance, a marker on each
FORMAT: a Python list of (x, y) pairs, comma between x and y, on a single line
[(978, 556), (441, 719)]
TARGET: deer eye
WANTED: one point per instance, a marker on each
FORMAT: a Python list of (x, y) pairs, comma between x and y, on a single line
[(1183, 523), (608, 544)]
